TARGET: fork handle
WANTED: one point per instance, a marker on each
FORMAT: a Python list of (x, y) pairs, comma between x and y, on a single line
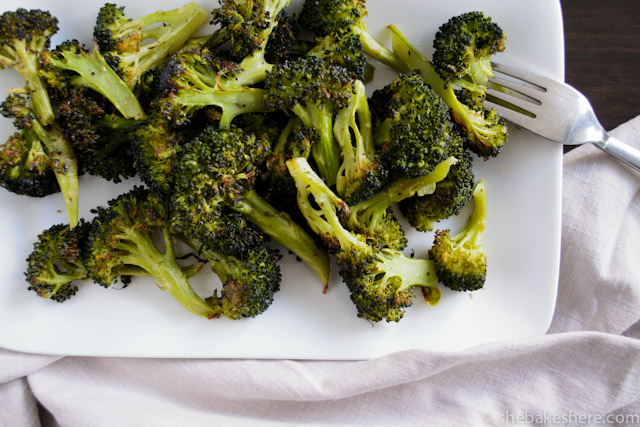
[(622, 151)]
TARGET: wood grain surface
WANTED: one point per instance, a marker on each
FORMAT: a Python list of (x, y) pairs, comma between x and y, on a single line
[(602, 52)]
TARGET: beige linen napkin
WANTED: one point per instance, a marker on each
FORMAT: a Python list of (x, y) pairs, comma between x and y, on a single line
[(586, 371)]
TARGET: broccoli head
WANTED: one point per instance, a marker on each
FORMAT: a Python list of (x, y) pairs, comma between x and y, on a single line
[(313, 89), (24, 34), (134, 46), (121, 239), (459, 260), (55, 263), (345, 50), (464, 45), (381, 281), (216, 173)]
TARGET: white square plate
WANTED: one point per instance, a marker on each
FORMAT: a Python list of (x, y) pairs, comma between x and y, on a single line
[(522, 238)]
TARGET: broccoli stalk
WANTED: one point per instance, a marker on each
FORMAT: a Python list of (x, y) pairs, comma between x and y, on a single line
[(360, 173), (459, 260), (381, 281), (92, 72), (58, 149), (24, 34), (134, 46), (486, 131), (121, 240)]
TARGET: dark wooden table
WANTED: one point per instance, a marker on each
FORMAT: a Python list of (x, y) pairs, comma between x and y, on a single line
[(602, 53)]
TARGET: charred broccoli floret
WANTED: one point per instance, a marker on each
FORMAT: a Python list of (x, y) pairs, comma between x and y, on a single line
[(450, 195), (486, 131), (216, 173), (464, 46), (459, 260), (121, 239), (345, 50), (249, 281), (381, 281), (101, 141), (325, 17), (313, 89), (24, 34), (205, 76), (134, 46), (59, 151), (284, 41), (55, 264), (374, 218), (413, 127), (70, 64)]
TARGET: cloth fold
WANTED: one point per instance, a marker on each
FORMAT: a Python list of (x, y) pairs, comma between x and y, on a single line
[(585, 371)]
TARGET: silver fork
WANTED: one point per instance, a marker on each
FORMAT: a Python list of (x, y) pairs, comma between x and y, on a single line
[(553, 110)]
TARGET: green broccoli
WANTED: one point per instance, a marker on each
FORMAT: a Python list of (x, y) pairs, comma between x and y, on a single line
[(450, 195), (70, 64), (460, 261), (134, 46), (24, 34), (37, 139), (326, 17), (206, 76), (360, 174), (412, 127), (216, 173), (55, 263), (486, 131), (381, 281), (121, 240), (464, 46), (344, 50), (374, 217), (249, 281), (100, 140), (313, 89)]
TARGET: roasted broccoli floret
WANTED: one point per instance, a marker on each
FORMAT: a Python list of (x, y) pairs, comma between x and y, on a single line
[(459, 260), (345, 50), (55, 264), (34, 135), (134, 46), (24, 34), (25, 166), (216, 173), (325, 17), (360, 174), (121, 239), (313, 89), (374, 218), (486, 130), (249, 281), (100, 140), (205, 76), (412, 127), (381, 281), (70, 64), (450, 195), (284, 41), (464, 46)]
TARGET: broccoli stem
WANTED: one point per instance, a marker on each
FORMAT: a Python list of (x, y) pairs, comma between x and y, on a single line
[(34, 84), (94, 73), (284, 230), (411, 272), (474, 228), (374, 49), (232, 102), (140, 250), (64, 165), (325, 152)]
